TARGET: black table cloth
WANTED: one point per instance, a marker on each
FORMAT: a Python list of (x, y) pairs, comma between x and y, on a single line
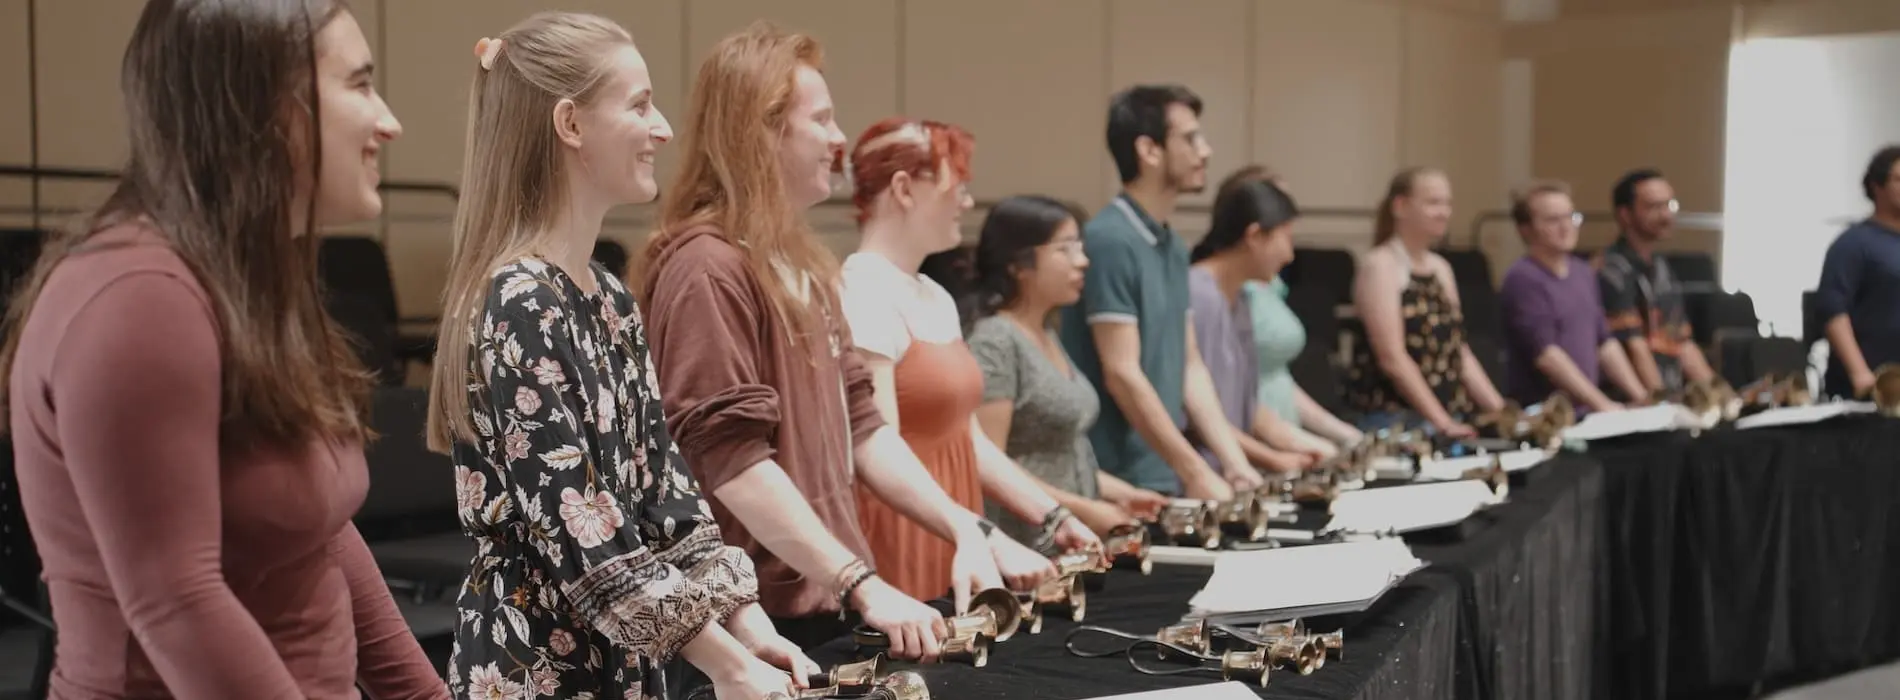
[(1750, 558), (1530, 575), (1400, 649)]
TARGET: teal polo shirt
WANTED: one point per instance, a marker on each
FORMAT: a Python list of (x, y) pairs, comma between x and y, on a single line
[(1138, 272)]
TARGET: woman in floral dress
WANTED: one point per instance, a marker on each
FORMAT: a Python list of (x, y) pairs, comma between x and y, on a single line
[(598, 562)]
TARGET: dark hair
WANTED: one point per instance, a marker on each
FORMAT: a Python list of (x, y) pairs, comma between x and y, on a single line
[(1879, 170), (1623, 195), (221, 105), (1140, 111), (1386, 224), (1521, 199), (983, 277), (1246, 198)]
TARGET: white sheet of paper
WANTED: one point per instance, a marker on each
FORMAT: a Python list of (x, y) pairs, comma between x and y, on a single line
[(1648, 419), (1406, 508), (1225, 690), (1451, 468), (1301, 576), (1803, 415)]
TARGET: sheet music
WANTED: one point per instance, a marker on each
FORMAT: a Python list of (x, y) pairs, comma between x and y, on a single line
[(1408, 508), (1648, 419), (1303, 576), (1451, 468), (1225, 690), (1803, 415)]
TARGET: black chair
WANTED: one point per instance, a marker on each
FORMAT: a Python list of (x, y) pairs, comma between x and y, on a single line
[(611, 255), (1315, 369), (1813, 327), (1477, 296), (19, 250), (1324, 272), (26, 626), (357, 265), (409, 516), (1694, 270)]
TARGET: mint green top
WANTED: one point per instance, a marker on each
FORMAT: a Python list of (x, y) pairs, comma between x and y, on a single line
[(1278, 337)]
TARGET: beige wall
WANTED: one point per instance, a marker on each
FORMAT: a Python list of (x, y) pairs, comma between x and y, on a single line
[(1334, 94)]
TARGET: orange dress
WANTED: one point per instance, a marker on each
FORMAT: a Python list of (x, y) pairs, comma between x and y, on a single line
[(939, 387)]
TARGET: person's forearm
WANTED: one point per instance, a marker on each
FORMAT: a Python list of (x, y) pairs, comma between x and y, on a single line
[(1136, 398), (1846, 346), (1007, 483), (1112, 488), (763, 500), (749, 624), (1406, 377), (1321, 422), (1564, 374), (1477, 382), (716, 653), (888, 467), (1645, 364), (1209, 420), (1695, 367), (1617, 366), (1260, 455)]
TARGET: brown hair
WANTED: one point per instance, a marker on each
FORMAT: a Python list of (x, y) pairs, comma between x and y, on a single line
[(921, 148), (730, 177), (512, 181), (221, 105), (1387, 225), (1521, 199)]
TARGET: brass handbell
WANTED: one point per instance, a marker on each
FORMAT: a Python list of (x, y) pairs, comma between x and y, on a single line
[(1054, 596), (1086, 561), (993, 613), (1192, 636), (1245, 517), (1502, 424), (1127, 545), (861, 680), (1245, 665), (1330, 643), (1886, 390), (1303, 654), (1555, 415), (1192, 523)]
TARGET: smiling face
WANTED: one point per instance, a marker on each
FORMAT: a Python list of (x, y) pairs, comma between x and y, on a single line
[(1554, 223), (616, 134), (810, 141), (355, 123)]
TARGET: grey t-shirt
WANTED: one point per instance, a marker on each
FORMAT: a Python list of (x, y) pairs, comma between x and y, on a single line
[(1052, 412)]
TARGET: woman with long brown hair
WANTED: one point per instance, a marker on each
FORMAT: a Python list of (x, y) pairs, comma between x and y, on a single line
[(189, 423), (598, 563), (910, 184), (764, 391), (1414, 368)]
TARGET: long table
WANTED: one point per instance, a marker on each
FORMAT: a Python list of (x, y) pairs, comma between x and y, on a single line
[(1497, 614), (1749, 559)]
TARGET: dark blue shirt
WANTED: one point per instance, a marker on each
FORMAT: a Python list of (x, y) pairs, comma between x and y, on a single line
[(1861, 278)]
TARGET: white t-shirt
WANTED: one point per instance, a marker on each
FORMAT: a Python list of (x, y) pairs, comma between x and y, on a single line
[(886, 308)]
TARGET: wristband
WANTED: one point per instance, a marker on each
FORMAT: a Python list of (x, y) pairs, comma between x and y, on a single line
[(854, 576)]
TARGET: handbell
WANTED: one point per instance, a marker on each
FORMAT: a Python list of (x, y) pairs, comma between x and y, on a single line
[(1300, 653), (1886, 390), (1192, 636), (1127, 545), (967, 646), (1245, 517), (1087, 561), (855, 676), (993, 613), (1245, 665), (1059, 594), (902, 685), (1192, 523)]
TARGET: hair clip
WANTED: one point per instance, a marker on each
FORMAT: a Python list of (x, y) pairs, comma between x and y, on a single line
[(486, 50)]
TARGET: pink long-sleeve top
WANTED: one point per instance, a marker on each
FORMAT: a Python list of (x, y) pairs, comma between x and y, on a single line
[(177, 568)]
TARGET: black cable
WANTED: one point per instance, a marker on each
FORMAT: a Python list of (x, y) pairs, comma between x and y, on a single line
[(1068, 642), (1172, 671)]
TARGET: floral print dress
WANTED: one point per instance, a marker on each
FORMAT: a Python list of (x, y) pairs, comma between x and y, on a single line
[(597, 557)]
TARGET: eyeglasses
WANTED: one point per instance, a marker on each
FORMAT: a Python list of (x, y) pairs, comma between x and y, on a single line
[(1574, 219)]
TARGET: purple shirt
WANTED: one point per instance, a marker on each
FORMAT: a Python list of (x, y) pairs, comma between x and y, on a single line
[(1540, 310), (1223, 329)]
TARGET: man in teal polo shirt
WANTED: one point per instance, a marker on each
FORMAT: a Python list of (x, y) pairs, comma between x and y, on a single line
[(1131, 335)]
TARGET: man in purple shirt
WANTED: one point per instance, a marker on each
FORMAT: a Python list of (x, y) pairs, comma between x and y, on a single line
[(1556, 337)]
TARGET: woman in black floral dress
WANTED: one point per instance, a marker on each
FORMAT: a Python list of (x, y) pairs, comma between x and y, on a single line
[(598, 561)]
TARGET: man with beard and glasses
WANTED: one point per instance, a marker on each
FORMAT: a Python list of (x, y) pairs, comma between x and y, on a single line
[(1641, 298), (1131, 334)]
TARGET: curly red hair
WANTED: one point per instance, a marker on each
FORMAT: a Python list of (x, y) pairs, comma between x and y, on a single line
[(923, 148)]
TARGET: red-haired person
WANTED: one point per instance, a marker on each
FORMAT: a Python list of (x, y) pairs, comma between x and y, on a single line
[(910, 187), (764, 394)]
